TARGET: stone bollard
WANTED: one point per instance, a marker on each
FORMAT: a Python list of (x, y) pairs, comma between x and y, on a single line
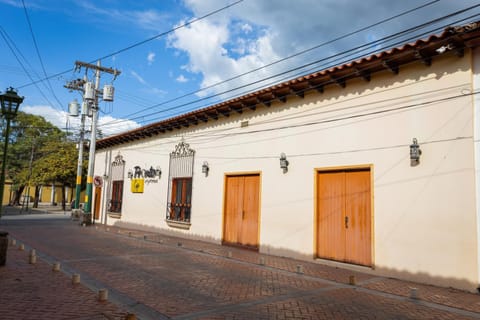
[(75, 278), (130, 316), (13, 242), (413, 293), (32, 257), (352, 281), (261, 261), (102, 295), (229, 254), (21, 247), (299, 268), (56, 267)]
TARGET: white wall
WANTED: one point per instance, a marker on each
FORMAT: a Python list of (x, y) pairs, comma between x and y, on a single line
[(424, 217)]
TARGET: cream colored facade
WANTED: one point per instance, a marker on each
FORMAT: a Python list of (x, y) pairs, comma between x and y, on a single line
[(425, 218)]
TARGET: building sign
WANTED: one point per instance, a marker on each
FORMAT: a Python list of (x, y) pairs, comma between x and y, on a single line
[(137, 185), (140, 177)]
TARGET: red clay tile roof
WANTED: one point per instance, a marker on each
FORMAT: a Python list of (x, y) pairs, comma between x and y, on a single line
[(453, 39)]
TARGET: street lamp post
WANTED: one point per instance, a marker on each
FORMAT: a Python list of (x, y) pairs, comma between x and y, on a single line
[(10, 101)]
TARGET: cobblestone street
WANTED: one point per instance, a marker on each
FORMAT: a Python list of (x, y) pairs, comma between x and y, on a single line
[(159, 277)]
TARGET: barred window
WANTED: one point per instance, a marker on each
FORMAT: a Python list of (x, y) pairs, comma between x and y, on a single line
[(118, 169), (179, 201)]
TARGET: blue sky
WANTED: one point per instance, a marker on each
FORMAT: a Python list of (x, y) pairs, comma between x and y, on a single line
[(164, 77)]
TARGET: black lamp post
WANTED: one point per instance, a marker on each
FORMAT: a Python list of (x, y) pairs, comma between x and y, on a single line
[(10, 101)]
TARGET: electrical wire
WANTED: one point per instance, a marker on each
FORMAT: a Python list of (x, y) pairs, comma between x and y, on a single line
[(288, 57), (186, 24), (337, 56), (39, 56)]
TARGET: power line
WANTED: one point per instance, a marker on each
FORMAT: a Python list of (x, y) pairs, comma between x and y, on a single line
[(287, 58), (141, 42), (11, 45), (338, 56), (384, 111), (38, 54)]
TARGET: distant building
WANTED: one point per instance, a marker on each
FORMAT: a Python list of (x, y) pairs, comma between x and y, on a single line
[(372, 165)]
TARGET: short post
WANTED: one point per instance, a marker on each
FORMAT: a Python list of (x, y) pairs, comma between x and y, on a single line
[(75, 278), (352, 281), (21, 247), (261, 261), (32, 257), (299, 268), (414, 293), (102, 295), (56, 267), (229, 254)]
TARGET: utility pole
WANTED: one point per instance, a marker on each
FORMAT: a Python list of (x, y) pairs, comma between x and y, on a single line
[(91, 95), (73, 109)]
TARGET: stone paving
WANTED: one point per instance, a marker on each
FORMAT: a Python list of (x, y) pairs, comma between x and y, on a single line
[(161, 277)]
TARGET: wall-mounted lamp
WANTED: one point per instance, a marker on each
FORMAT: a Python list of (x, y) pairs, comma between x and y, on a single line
[(415, 153), (130, 174), (205, 168), (284, 162)]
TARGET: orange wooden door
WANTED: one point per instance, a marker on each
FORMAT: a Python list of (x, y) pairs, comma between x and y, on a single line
[(241, 210), (331, 208), (249, 233), (96, 206), (357, 211), (343, 216)]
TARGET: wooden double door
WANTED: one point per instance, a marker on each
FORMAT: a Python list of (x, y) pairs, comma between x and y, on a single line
[(241, 211), (344, 216)]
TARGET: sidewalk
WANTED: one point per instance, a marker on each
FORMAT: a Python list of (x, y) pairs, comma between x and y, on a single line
[(35, 291), (187, 279)]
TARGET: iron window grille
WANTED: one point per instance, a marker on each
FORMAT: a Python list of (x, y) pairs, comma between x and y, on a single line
[(179, 201), (118, 170)]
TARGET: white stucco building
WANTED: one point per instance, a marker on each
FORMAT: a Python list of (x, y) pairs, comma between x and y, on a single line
[(349, 190)]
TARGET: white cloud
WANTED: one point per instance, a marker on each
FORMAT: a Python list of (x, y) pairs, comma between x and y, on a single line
[(151, 57), (59, 119), (181, 78), (206, 43), (246, 28)]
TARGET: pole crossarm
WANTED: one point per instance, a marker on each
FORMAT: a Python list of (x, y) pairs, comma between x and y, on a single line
[(80, 64)]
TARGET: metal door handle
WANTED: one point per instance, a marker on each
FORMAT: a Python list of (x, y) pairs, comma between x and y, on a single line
[(346, 222)]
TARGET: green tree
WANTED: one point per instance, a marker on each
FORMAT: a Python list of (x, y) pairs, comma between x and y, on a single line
[(58, 164), (32, 140)]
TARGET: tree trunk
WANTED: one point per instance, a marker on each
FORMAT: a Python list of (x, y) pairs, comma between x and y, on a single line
[(63, 196), (17, 196), (36, 197)]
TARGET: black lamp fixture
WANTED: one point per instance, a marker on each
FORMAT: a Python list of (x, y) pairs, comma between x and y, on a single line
[(284, 162), (415, 153), (205, 168), (10, 102)]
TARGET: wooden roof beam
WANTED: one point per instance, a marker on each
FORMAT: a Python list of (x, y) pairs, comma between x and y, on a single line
[(299, 93), (391, 65), (426, 60), (365, 74), (238, 109), (317, 87), (340, 81), (212, 114), (265, 103), (225, 113), (282, 98)]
